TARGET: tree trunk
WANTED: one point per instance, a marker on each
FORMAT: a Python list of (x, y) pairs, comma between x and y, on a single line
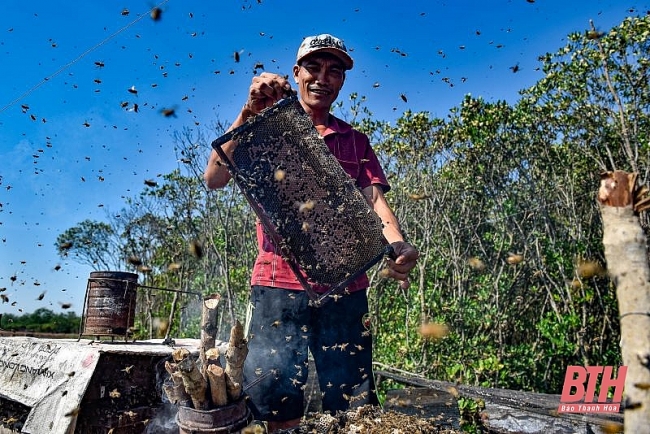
[(626, 255)]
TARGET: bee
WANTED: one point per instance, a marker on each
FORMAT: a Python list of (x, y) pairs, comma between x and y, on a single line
[(168, 112), (434, 330), (125, 12), (453, 391), (515, 68), (306, 206), (236, 56), (403, 98), (342, 347), (418, 196), (72, 413), (134, 260), (41, 295), (150, 183), (97, 80), (99, 64), (594, 34), (66, 305), (575, 283), (279, 175), (611, 427), (196, 249), (114, 393), (514, 258), (305, 226), (476, 263), (57, 267), (276, 323), (65, 245), (132, 90), (4, 298), (156, 14), (587, 269)]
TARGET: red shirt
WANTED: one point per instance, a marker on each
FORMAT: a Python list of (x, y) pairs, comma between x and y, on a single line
[(352, 149)]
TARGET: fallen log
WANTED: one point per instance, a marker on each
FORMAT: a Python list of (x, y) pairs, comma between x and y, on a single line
[(511, 411)]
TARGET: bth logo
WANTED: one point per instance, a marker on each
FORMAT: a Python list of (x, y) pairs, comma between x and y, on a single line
[(580, 387)]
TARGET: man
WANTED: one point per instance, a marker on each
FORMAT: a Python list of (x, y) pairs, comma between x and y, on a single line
[(283, 325)]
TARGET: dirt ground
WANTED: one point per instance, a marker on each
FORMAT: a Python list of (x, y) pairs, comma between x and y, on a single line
[(368, 420)]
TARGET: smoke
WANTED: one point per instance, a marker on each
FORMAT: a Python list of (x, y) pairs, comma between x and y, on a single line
[(164, 420)]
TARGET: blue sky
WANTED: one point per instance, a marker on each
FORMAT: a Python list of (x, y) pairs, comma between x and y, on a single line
[(71, 152)]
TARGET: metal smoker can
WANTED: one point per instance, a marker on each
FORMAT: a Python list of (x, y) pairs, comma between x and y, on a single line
[(109, 308)]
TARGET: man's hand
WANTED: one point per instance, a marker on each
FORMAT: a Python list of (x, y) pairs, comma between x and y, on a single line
[(405, 257), (266, 89)]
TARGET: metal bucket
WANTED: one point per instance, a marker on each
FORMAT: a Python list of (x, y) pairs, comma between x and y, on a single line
[(230, 418), (109, 308)]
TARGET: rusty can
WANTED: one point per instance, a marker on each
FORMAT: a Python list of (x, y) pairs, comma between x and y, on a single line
[(110, 303), (231, 418)]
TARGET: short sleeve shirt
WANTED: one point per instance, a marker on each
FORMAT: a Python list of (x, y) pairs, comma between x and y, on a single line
[(353, 151)]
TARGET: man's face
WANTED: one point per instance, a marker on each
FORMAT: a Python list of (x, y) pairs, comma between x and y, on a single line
[(319, 77)]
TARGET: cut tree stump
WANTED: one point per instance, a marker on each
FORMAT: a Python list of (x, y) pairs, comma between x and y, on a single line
[(627, 265)]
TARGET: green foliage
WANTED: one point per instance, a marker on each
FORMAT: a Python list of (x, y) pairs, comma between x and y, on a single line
[(470, 415), (42, 320)]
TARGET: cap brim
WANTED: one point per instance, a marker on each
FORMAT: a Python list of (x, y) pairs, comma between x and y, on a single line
[(343, 56)]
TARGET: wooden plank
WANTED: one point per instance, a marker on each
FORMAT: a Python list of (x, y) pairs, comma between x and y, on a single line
[(425, 402)]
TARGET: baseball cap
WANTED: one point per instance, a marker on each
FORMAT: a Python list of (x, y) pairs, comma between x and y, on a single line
[(326, 43)]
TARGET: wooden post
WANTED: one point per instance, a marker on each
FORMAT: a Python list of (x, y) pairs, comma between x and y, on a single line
[(235, 357), (208, 327), (627, 264)]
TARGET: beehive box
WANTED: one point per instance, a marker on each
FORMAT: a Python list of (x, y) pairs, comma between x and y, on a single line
[(64, 386)]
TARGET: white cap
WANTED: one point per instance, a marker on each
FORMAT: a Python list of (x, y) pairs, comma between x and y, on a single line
[(325, 43)]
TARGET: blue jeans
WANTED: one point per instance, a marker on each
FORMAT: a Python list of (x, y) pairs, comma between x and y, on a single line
[(283, 328)]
